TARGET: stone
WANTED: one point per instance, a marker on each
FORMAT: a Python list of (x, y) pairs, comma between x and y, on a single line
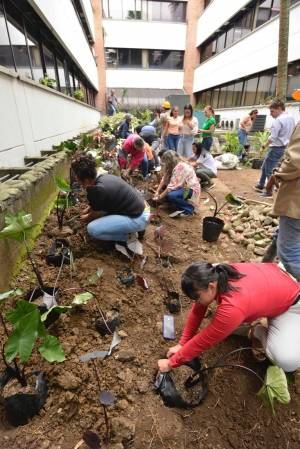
[(122, 404), (253, 213), (250, 247), (261, 243), (224, 245), (239, 228), (235, 217), (257, 237), (123, 334), (40, 169), (236, 223), (231, 233), (266, 210), (275, 221), (122, 430), (259, 251), (28, 177), (11, 191), (126, 375), (249, 234), (4, 196), (68, 381), (143, 387), (245, 219), (245, 242), (125, 355), (237, 240), (226, 227), (245, 213), (21, 185)]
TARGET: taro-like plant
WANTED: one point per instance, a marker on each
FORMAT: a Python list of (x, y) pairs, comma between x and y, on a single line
[(47, 81), (229, 199), (28, 328), (78, 94), (260, 139), (232, 142), (62, 200), (18, 227)]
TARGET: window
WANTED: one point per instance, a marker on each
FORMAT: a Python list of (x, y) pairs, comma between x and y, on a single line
[(267, 10), (250, 91), (111, 56), (165, 59), (115, 9), (221, 42), (293, 80), (34, 51), (129, 58), (229, 96), (222, 96), (215, 98), (6, 57), (266, 87), (237, 94)]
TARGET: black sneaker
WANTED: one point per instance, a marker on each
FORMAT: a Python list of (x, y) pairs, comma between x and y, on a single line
[(265, 195), (258, 188), (141, 235)]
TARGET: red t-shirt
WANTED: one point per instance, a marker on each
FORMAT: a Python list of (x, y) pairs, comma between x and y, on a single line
[(137, 155), (265, 291)]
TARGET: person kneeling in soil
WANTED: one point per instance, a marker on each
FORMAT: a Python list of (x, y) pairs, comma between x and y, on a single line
[(244, 292), (115, 208), (176, 176), (204, 165)]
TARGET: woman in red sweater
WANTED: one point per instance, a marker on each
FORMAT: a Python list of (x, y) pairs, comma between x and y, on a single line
[(244, 292)]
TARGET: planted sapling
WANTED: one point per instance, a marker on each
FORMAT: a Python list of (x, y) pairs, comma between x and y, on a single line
[(62, 200)]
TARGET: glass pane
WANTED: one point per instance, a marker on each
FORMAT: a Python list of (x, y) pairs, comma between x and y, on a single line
[(115, 9), (155, 58), (167, 10), (154, 11), (266, 4), (179, 14), (61, 75), (6, 58), (128, 9), (165, 59), (34, 50), (237, 31), (229, 37), (247, 23), (250, 91), (177, 60), (215, 98), (71, 83), (105, 14), (124, 57), (214, 47), (49, 63), (18, 41), (222, 96), (293, 2), (221, 42), (136, 58), (237, 94), (263, 88), (111, 56), (138, 9), (293, 80), (229, 96), (76, 82), (262, 17), (144, 9)]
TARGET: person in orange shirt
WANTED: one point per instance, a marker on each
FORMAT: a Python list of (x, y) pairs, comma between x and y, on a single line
[(151, 163), (171, 129)]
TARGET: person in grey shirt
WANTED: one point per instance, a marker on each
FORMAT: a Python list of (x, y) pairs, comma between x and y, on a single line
[(112, 102), (281, 132)]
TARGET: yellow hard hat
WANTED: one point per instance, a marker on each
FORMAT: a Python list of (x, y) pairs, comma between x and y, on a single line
[(166, 105)]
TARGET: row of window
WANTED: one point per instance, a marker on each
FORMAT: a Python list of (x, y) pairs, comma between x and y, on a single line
[(25, 50), (250, 91), (260, 12), (143, 59), (151, 10)]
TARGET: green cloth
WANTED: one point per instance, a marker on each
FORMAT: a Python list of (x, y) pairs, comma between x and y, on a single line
[(206, 125)]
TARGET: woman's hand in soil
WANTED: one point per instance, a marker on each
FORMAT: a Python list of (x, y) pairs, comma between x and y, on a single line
[(173, 350), (86, 211), (163, 366), (85, 218)]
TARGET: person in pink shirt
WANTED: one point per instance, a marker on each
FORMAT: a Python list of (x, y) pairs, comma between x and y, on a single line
[(134, 146), (244, 292)]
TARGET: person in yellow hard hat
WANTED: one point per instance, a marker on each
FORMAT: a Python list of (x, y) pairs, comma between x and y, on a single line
[(163, 119)]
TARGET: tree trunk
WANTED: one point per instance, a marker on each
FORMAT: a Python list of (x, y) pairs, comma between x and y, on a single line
[(283, 45)]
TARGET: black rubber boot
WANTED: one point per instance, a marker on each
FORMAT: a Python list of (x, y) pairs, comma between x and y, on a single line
[(271, 253)]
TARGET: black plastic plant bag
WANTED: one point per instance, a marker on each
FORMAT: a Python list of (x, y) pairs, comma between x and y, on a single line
[(63, 256), (19, 408), (48, 301), (169, 393)]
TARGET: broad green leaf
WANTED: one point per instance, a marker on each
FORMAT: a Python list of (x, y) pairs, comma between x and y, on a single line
[(19, 291), (62, 185), (51, 349), (276, 387), (26, 311), (93, 278), (82, 299), (9, 294), (233, 200), (20, 341), (18, 227), (55, 309), (187, 190), (62, 202)]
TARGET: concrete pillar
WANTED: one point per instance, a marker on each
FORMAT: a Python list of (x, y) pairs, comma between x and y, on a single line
[(99, 55), (192, 55)]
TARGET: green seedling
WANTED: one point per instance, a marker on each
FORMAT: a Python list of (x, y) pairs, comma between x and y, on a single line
[(62, 200)]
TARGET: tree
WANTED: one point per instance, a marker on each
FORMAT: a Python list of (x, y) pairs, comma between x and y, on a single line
[(283, 45)]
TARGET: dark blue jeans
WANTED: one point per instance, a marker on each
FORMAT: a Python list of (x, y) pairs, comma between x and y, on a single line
[(207, 143), (173, 140), (176, 197), (270, 162)]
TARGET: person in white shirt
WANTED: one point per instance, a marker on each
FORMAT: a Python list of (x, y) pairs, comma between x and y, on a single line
[(187, 128), (203, 163)]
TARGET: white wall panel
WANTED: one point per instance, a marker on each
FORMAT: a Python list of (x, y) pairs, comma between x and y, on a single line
[(215, 15), (144, 35), (157, 79), (34, 117), (61, 18), (254, 53), (88, 11)]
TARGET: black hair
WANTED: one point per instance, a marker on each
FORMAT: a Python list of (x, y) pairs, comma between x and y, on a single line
[(138, 128), (189, 107), (199, 147), (84, 165), (198, 275)]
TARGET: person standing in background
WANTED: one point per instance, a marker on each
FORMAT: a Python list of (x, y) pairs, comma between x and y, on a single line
[(188, 128), (171, 129), (281, 131), (208, 127), (245, 126), (124, 127), (112, 102), (162, 121)]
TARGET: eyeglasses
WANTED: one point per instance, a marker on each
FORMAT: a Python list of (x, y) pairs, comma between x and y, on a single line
[(199, 297)]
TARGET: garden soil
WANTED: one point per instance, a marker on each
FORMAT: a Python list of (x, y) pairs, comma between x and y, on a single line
[(230, 416)]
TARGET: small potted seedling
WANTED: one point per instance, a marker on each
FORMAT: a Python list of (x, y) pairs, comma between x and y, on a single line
[(49, 82), (212, 226), (78, 94), (28, 329), (62, 200)]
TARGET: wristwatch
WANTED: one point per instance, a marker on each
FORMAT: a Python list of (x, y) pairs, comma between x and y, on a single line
[(263, 147)]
